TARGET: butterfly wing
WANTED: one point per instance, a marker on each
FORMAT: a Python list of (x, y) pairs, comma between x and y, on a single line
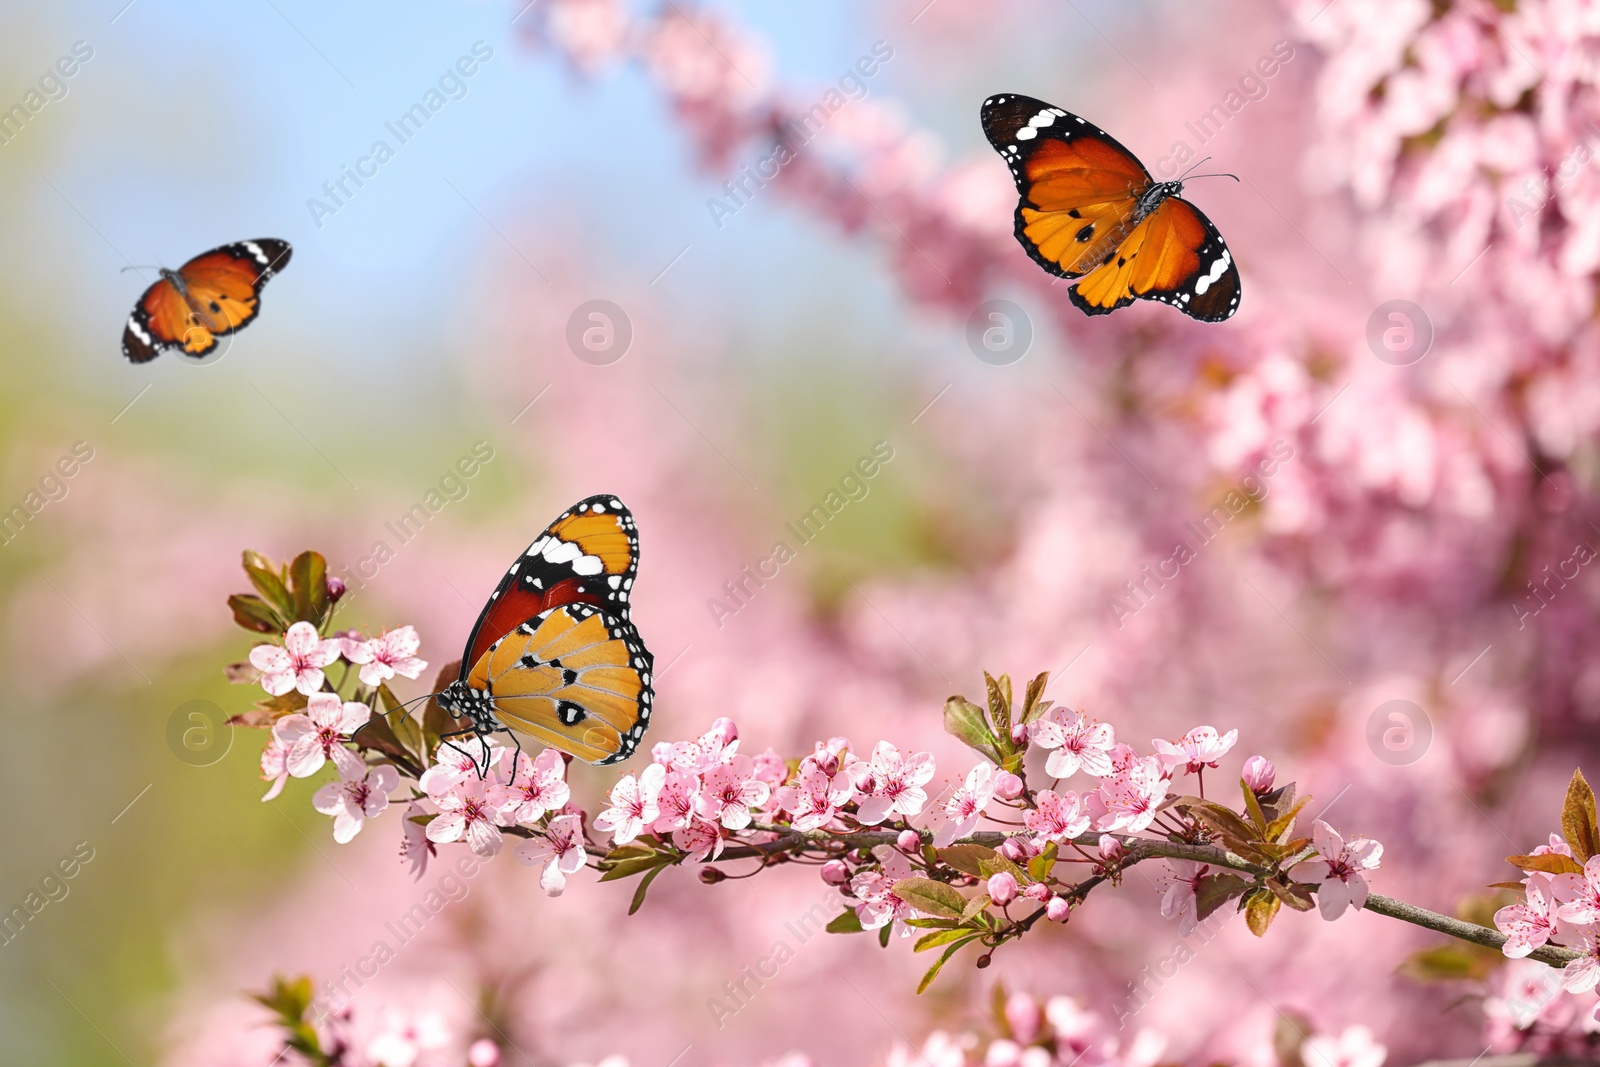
[(575, 677), (1174, 255), (223, 294), (589, 555), (1079, 187)]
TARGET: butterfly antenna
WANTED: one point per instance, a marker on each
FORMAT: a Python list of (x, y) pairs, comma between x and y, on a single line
[(1193, 166), (126, 269), (1197, 177), (408, 705)]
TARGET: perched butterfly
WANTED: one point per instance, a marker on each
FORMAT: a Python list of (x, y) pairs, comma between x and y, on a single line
[(210, 296), (1091, 211), (553, 654)]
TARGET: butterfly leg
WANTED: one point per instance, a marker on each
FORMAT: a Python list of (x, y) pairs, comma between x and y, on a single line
[(516, 759)]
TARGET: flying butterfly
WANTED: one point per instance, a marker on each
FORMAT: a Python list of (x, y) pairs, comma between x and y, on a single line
[(553, 654), (211, 296), (1089, 210)]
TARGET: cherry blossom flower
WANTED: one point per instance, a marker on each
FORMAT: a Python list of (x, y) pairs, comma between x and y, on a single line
[(891, 784), (320, 733), (1133, 796), (1059, 817), (771, 768), (405, 1038), (1195, 750), (633, 804), (1578, 895), (1182, 881), (676, 802), (361, 793), (1355, 1047), (1557, 846), (1525, 989), (717, 745), (1582, 974), (1338, 869), (1002, 887), (538, 786), (1259, 774), (274, 767), (387, 655), (816, 795), (1530, 922), (834, 872), (878, 906), (729, 792), (702, 838), (297, 663), (965, 806), (1078, 743), (415, 848), (560, 850), (466, 813), (1008, 786), (458, 759)]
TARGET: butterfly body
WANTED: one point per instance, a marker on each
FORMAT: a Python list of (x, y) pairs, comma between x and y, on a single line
[(211, 296), (1088, 210), (553, 654)]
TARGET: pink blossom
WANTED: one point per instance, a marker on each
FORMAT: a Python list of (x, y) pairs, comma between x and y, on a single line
[(1355, 1047), (1133, 796), (465, 812), (1008, 786), (320, 733), (1338, 869), (966, 805), (701, 839), (1059, 910), (827, 754), (834, 872), (387, 655), (415, 848), (461, 758), (1002, 888), (1078, 743), (1111, 848), (538, 786), (1182, 881), (891, 785), (878, 906), (1023, 1016), (274, 766), (676, 802), (405, 1038), (297, 663), (717, 745), (1019, 849), (1578, 895), (633, 804), (559, 849), (909, 842), (1582, 974), (816, 795), (483, 1053), (361, 793), (1259, 774), (1529, 923), (771, 768), (1059, 817), (1557, 846), (729, 793), (1195, 750)]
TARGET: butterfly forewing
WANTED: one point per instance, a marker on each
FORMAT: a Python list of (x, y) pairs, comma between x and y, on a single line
[(589, 555), (575, 677), (221, 292)]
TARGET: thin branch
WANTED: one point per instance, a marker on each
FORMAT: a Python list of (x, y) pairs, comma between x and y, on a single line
[(1465, 931)]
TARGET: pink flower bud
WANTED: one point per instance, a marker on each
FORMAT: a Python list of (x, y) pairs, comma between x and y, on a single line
[(1023, 1016), (1259, 774), (1007, 786), (726, 729), (336, 587), (909, 841), (1002, 888), (1018, 849), (483, 1053), (1037, 891), (1058, 910), (1019, 734), (1111, 848), (834, 872)]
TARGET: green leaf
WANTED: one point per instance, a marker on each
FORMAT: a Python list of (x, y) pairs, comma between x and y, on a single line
[(998, 864), (1450, 963), (1549, 863), (1040, 866), (975, 907), (264, 576), (1215, 890), (1579, 824), (931, 924), (883, 934), (929, 896), (400, 721), (933, 972), (964, 721), (999, 704), (1279, 828), (1032, 708), (1252, 807), (1236, 833), (636, 857), (256, 615), (939, 937), (968, 859), (847, 923), (308, 577), (436, 722), (644, 887), (1260, 907)]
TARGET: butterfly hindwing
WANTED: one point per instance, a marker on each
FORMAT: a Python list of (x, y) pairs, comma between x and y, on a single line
[(588, 555), (211, 296), (576, 677), (1089, 210)]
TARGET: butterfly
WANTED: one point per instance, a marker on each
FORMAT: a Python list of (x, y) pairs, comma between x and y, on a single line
[(210, 296), (553, 654), (1090, 210)]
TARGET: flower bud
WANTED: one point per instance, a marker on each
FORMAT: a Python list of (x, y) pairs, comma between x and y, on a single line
[(726, 729), (834, 872), (985, 959), (1037, 891), (1019, 734), (1058, 910), (335, 586), (1007, 786), (1018, 849), (1002, 888), (483, 1053), (1023, 1016), (1259, 774), (1111, 848), (910, 842), (711, 876)]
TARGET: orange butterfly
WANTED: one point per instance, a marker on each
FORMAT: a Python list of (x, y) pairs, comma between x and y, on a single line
[(1091, 211), (553, 654), (208, 297)]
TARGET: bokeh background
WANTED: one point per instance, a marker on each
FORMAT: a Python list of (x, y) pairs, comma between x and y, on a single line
[(1368, 622)]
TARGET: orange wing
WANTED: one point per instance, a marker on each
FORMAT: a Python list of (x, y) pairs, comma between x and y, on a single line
[(210, 296), (1079, 187), (1174, 255), (576, 678)]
